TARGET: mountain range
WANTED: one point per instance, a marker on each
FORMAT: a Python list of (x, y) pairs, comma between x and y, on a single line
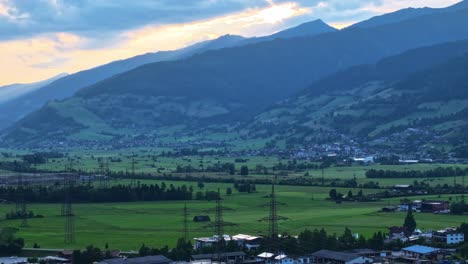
[(12, 91), (368, 81), (424, 88), (60, 88)]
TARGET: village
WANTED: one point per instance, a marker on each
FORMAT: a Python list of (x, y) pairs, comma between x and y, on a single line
[(414, 253)]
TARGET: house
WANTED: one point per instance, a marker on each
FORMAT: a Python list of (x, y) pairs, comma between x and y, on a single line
[(283, 259), (265, 257), (55, 260), (250, 242), (229, 257), (303, 260), (434, 206), (417, 252), (66, 254), (201, 242), (157, 259), (335, 257), (365, 252), (403, 187), (201, 218), (448, 236), (13, 260)]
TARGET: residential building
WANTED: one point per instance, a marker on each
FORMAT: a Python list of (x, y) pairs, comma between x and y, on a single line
[(448, 236), (158, 259), (250, 242), (228, 257), (265, 257), (417, 252), (335, 257), (201, 242), (283, 259), (434, 206)]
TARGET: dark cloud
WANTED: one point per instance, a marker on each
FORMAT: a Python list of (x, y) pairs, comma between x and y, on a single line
[(101, 16)]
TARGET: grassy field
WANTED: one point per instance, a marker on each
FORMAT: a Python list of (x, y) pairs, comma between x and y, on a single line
[(147, 161), (127, 225)]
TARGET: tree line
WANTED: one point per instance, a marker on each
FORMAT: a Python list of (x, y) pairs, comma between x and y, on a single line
[(433, 173), (116, 193)]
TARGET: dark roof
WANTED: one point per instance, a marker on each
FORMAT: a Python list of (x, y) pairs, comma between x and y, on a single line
[(360, 251), (334, 255), (201, 218), (158, 259), (221, 255)]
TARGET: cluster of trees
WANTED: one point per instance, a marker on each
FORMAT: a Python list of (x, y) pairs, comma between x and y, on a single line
[(21, 215), (294, 166), (434, 173), (245, 187), (17, 166), (181, 252), (310, 241), (24, 164), (10, 245), (192, 152), (459, 208), (337, 196), (207, 195), (89, 193), (218, 167)]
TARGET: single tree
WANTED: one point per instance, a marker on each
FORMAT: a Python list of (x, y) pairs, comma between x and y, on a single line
[(410, 222), (244, 171)]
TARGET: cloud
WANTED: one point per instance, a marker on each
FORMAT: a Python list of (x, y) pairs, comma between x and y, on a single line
[(40, 38), (89, 17), (44, 55)]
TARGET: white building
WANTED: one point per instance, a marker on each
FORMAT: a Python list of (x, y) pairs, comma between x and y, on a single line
[(250, 242), (201, 242), (449, 236), (283, 259)]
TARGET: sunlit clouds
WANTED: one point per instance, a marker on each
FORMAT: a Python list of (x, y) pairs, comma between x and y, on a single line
[(40, 57), (42, 38)]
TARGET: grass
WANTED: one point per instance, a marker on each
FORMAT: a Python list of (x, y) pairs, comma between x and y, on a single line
[(127, 225), (148, 163)]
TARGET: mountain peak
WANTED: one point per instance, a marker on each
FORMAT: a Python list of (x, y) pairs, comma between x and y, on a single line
[(305, 29)]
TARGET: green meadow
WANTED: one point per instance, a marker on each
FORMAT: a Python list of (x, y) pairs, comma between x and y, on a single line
[(127, 226)]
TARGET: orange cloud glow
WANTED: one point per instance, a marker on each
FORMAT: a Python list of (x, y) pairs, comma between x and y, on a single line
[(44, 56)]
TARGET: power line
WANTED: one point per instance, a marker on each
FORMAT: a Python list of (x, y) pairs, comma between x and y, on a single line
[(273, 217), (133, 180), (68, 212), (185, 227), (21, 207), (219, 224)]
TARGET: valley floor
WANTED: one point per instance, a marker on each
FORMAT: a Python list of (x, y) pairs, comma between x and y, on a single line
[(127, 226)]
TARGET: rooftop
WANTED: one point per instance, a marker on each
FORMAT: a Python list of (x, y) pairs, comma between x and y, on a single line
[(158, 259), (244, 237), (335, 255), (266, 255), (421, 249), (215, 255)]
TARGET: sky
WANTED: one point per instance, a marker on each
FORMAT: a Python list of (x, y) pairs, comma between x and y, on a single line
[(42, 38)]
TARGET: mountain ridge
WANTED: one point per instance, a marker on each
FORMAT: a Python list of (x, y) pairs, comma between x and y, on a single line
[(212, 87), (67, 86)]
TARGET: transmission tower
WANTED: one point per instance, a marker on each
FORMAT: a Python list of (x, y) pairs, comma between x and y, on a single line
[(68, 213), (273, 217), (21, 207), (185, 228), (133, 180), (219, 224), (103, 171)]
